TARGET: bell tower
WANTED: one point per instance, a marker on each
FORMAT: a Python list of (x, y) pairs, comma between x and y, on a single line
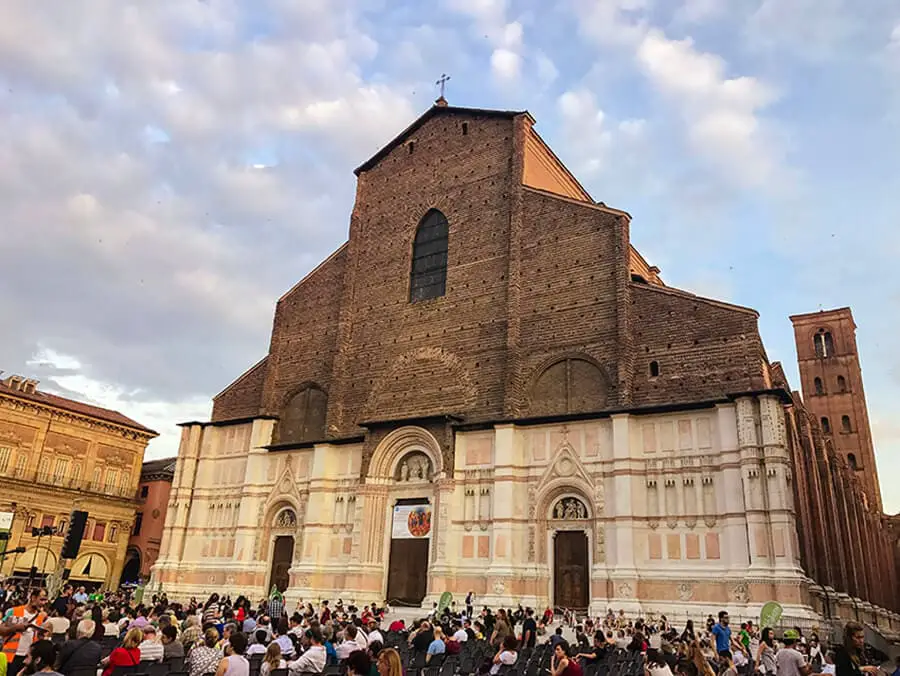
[(831, 379)]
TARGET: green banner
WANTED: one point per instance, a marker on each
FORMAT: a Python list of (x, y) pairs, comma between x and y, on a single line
[(770, 614), (444, 602)]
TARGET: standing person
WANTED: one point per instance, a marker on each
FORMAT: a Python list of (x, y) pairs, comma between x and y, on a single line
[(234, 663), (765, 654), (470, 604), (789, 661), (722, 632), (849, 659), (20, 624), (501, 629), (529, 629)]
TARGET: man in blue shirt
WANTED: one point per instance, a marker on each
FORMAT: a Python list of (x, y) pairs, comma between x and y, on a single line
[(437, 646), (722, 632)]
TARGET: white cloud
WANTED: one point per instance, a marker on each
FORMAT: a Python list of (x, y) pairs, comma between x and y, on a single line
[(585, 134), (720, 114), (546, 69), (506, 37), (505, 64), (127, 135), (615, 23)]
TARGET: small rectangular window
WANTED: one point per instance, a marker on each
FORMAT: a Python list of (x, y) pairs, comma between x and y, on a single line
[(465, 128), (145, 491), (138, 522)]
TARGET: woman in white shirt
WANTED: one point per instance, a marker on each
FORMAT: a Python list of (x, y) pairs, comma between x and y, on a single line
[(272, 660), (506, 655)]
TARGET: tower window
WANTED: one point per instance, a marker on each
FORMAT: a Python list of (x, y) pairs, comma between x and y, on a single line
[(818, 385), (654, 369), (411, 146), (824, 344), (845, 424), (465, 128), (851, 460), (428, 276), (842, 384), (826, 425)]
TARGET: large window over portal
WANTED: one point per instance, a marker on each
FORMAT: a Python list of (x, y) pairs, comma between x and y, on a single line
[(569, 386), (303, 417), (428, 273)]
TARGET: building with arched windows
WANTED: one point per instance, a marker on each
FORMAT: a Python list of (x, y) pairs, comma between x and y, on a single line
[(487, 388), (58, 455)]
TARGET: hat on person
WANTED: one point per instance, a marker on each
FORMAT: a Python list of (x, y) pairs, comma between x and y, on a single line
[(791, 635)]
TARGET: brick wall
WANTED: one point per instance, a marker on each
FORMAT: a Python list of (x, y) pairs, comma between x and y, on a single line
[(402, 359), (573, 271), (304, 334), (704, 349), (242, 398)]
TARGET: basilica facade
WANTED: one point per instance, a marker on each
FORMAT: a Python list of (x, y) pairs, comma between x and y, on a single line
[(488, 389)]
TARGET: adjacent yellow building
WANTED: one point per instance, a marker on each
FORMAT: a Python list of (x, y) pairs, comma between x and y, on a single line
[(56, 455)]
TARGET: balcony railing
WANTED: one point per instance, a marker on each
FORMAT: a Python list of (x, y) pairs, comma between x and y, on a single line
[(76, 483)]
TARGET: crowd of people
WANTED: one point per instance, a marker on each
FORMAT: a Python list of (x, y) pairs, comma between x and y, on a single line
[(113, 634)]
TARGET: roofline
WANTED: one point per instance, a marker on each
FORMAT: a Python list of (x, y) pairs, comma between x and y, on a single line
[(687, 295), (227, 421), (136, 427), (313, 271), (599, 206), (820, 313), (423, 118), (547, 147), (241, 377), (673, 407)]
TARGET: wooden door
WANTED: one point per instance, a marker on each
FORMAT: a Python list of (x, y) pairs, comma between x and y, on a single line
[(282, 557), (571, 580), (408, 571)]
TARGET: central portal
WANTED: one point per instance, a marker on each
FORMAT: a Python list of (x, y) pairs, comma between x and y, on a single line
[(571, 583), (408, 566), (282, 554)]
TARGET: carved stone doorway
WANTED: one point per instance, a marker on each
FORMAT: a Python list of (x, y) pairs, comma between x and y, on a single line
[(282, 555), (571, 579)]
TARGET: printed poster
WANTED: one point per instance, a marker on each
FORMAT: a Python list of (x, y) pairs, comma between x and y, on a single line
[(411, 521)]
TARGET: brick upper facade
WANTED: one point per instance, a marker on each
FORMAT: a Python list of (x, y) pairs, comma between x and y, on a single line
[(548, 309)]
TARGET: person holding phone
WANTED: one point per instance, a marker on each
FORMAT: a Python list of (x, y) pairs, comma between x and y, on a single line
[(21, 626)]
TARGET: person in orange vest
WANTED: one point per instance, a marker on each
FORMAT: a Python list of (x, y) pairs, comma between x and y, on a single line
[(20, 625)]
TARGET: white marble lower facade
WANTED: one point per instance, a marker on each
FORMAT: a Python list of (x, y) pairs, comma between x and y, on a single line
[(686, 511)]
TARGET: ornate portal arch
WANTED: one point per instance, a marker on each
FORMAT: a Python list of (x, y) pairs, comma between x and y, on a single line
[(565, 503), (406, 444)]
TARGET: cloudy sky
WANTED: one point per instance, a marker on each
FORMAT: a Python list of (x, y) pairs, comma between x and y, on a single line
[(169, 168)]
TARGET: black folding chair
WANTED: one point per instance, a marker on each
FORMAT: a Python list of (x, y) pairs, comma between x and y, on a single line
[(158, 669)]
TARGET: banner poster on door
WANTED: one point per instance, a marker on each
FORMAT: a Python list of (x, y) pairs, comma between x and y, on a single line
[(411, 521)]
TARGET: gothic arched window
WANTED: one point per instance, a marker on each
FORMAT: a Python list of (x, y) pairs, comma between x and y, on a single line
[(826, 425), (842, 384), (303, 417), (851, 460), (818, 385), (824, 344), (428, 272), (845, 424)]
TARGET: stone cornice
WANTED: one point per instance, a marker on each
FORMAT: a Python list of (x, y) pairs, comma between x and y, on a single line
[(16, 404)]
